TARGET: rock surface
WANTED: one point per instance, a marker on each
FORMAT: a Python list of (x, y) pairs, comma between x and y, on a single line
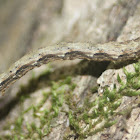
[(27, 25)]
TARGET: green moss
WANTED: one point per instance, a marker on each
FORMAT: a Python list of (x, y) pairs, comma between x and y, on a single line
[(18, 124), (104, 107), (58, 89), (109, 123), (100, 112), (94, 89)]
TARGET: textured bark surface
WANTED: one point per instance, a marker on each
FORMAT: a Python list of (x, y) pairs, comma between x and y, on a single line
[(28, 25), (112, 51)]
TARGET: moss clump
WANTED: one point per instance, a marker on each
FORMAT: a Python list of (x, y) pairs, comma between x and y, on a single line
[(91, 118), (104, 107), (21, 129)]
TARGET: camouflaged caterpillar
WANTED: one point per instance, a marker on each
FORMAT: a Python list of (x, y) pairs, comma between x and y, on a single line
[(112, 51)]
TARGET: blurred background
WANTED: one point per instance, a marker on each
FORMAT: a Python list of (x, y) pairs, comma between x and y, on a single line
[(29, 24)]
